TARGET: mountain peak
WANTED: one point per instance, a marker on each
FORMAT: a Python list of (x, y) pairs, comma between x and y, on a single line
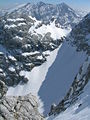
[(64, 4), (41, 3), (28, 4)]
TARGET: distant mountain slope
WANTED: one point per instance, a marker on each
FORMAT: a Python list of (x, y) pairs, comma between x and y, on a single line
[(2, 12), (8, 9), (65, 16)]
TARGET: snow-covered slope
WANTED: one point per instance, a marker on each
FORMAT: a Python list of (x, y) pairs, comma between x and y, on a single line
[(81, 79), (80, 109), (61, 75), (71, 56)]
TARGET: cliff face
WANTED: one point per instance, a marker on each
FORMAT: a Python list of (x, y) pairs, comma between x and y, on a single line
[(18, 108)]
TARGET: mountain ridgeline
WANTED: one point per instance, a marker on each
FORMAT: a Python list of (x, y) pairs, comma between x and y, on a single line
[(65, 16)]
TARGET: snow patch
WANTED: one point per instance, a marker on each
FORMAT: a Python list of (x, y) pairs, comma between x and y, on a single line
[(11, 68), (17, 37), (33, 18), (1, 70), (10, 26), (56, 33), (14, 20), (20, 24), (12, 58), (31, 53), (40, 57)]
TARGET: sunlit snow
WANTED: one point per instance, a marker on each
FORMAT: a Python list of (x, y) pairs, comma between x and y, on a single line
[(56, 33)]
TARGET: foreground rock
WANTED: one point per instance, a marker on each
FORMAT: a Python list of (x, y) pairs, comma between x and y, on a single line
[(18, 108)]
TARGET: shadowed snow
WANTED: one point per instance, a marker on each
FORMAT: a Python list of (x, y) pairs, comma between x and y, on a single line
[(61, 75)]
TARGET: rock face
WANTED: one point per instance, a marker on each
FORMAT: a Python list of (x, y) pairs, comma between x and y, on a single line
[(18, 108), (3, 89), (80, 35), (21, 50), (79, 38)]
